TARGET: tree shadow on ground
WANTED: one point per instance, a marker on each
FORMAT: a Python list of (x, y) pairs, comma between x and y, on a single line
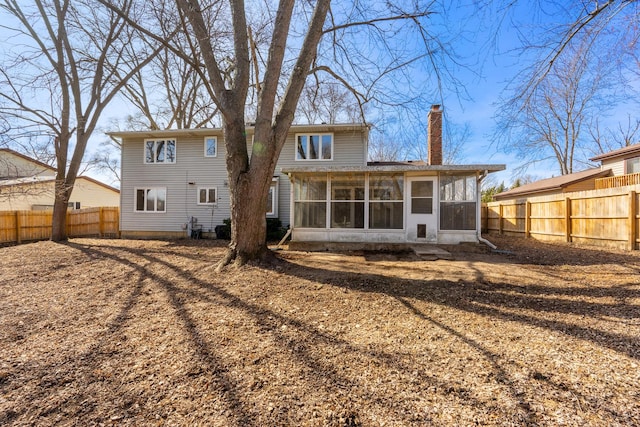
[(499, 300), (324, 376), (481, 297)]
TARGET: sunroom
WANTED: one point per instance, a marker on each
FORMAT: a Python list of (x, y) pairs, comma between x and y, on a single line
[(399, 203)]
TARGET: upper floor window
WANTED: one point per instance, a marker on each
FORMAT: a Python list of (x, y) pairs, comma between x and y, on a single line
[(211, 146), (633, 165), (160, 151), (314, 146)]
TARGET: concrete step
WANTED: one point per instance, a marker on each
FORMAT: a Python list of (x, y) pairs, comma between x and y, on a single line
[(431, 253)]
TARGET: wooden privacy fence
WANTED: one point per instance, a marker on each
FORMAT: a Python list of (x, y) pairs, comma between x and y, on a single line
[(23, 226), (600, 217)]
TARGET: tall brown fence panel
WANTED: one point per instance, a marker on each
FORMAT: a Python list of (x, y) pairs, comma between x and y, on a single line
[(607, 217), (23, 226)]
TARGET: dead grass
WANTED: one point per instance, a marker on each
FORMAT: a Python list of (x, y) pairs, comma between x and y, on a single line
[(117, 332)]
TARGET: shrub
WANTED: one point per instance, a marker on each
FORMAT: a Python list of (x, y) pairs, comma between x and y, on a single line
[(275, 231)]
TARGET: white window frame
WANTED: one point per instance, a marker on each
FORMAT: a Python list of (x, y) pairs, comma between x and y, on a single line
[(215, 144), (208, 202), (273, 213), (135, 200), (308, 136), (155, 151), (627, 164)]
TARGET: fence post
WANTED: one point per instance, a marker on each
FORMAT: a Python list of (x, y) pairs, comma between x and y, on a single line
[(527, 218), (500, 212), (633, 212), (18, 228), (567, 219), (101, 222)]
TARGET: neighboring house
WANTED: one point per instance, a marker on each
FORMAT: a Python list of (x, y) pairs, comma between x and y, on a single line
[(618, 168), (323, 187), (579, 181), (624, 165), (28, 184)]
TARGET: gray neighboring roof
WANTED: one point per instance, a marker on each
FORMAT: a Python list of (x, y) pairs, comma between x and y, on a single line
[(218, 131), (631, 149), (550, 184), (395, 167)]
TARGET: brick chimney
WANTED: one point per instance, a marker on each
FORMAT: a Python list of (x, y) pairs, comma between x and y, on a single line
[(434, 135)]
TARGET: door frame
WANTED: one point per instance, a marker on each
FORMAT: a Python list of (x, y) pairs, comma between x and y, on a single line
[(428, 221)]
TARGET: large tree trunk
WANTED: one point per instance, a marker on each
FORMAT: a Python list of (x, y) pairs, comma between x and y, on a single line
[(248, 220), (249, 184), (60, 204)]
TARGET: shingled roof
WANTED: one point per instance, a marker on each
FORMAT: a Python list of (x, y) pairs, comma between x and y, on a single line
[(631, 149), (551, 184)]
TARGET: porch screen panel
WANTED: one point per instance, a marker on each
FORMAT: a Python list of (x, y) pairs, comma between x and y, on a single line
[(458, 200), (310, 201), (347, 201), (386, 201)]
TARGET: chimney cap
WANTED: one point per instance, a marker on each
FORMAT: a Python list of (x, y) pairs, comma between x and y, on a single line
[(435, 107)]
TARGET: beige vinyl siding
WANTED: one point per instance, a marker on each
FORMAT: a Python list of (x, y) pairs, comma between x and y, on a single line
[(92, 195), (181, 180), (12, 166), (616, 166), (41, 196)]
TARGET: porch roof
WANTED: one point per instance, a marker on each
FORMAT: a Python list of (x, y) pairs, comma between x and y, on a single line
[(394, 167)]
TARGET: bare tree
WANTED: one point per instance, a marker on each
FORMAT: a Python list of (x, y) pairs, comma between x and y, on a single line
[(296, 50), (258, 59), (63, 76), (605, 32), (608, 139), (383, 148), (327, 102), (171, 91), (547, 120)]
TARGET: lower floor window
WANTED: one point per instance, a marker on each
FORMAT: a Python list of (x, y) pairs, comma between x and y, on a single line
[(151, 199), (207, 195), (272, 199)]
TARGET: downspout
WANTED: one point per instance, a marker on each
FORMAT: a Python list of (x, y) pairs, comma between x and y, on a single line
[(479, 212)]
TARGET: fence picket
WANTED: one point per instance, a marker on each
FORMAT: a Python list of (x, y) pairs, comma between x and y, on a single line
[(22, 226), (606, 217)]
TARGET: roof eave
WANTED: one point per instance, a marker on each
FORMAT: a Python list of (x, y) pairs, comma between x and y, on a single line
[(343, 127), (395, 168)]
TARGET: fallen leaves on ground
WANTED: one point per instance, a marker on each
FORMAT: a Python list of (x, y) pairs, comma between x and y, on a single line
[(146, 333)]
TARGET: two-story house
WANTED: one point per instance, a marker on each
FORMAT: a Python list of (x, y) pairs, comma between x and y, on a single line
[(323, 188)]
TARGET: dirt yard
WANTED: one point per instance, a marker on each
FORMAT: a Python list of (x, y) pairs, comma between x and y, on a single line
[(135, 333)]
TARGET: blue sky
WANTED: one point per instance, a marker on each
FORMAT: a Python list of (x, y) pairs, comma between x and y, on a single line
[(489, 58)]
